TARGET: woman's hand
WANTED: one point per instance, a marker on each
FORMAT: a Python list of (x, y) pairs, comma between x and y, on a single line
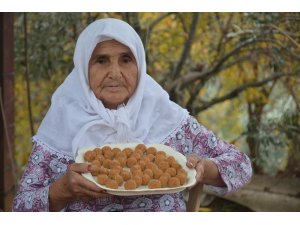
[(206, 170), (194, 161), (71, 186)]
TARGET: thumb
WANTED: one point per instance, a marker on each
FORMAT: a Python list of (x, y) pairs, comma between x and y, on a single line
[(79, 167)]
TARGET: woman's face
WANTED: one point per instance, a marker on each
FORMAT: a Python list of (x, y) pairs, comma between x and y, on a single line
[(113, 73)]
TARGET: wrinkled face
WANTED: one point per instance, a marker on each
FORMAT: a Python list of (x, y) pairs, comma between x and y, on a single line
[(113, 73)]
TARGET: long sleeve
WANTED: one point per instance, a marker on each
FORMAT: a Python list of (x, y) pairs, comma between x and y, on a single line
[(234, 166), (43, 168)]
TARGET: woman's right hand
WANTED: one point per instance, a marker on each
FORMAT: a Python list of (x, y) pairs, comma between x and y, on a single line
[(71, 186)]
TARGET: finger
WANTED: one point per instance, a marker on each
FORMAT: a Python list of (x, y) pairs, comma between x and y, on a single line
[(192, 160), (79, 167)]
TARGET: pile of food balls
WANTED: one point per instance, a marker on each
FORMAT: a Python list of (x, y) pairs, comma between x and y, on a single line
[(132, 168)]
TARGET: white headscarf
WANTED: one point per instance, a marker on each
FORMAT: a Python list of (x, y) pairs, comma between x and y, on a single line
[(78, 119)]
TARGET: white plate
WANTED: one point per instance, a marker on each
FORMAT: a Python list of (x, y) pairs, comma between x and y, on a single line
[(143, 190)]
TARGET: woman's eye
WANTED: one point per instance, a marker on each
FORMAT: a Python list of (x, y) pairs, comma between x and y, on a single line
[(101, 60), (127, 59)]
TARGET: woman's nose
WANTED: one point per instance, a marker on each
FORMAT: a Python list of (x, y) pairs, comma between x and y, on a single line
[(115, 71)]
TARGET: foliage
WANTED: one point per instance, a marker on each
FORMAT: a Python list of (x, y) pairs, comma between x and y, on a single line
[(230, 70)]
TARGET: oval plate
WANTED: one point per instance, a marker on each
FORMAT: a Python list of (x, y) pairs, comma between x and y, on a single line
[(143, 190)]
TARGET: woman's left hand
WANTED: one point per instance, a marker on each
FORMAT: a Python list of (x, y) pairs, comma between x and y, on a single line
[(194, 161)]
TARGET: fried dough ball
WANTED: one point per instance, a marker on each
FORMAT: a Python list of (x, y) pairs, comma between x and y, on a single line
[(100, 158), (107, 163), (112, 184), (128, 151), (154, 184), (98, 151), (161, 153), (164, 165), (113, 173), (151, 150), (151, 166), (135, 167), (138, 180), (89, 156), (102, 179), (176, 165), (121, 154), (103, 171), (130, 185), (142, 164), (164, 180), (121, 160), (145, 179), (174, 182), (116, 151), (151, 157), (96, 163), (159, 158), (136, 155), (94, 169), (126, 175), (182, 178), (157, 173), (131, 161), (138, 151), (137, 173), (119, 179), (171, 171), (108, 154), (171, 159), (115, 163), (181, 170), (142, 147), (106, 149), (149, 172), (145, 158)]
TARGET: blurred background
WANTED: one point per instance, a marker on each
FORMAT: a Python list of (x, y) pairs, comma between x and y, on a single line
[(237, 73)]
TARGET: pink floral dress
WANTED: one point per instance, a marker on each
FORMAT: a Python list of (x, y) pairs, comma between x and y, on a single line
[(46, 166)]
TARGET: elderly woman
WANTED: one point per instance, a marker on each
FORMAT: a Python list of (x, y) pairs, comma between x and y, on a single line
[(109, 98)]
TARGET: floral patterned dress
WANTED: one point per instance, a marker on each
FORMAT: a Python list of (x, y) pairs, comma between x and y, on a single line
[(46, 166)]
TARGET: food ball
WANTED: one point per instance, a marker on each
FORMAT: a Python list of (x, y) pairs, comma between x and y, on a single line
[(94, 169), (137, 173), (98, 151), (161, 153), (115, 163), (151, 150), (149, 172), (119, 179), (121, 160), (159, 158), (142, 147), (157, 173), (164, 180), (106, 163), (108, 154), (142, 164), (128, 152), (136, 155), (126, 175), (138, 180), (138, 151), (103, 171), (171, 171), (181, 170), (102, 179), (151, 166), (153, 184), (131, 161), (164, 165), (130, 185), (145, 179), (182, 178), (113, 173), (112, 184), (174, 182), (116, 151), (89, 156), (176, 165), (151, 157), (100, 158), (106, 149), (171, 159)]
